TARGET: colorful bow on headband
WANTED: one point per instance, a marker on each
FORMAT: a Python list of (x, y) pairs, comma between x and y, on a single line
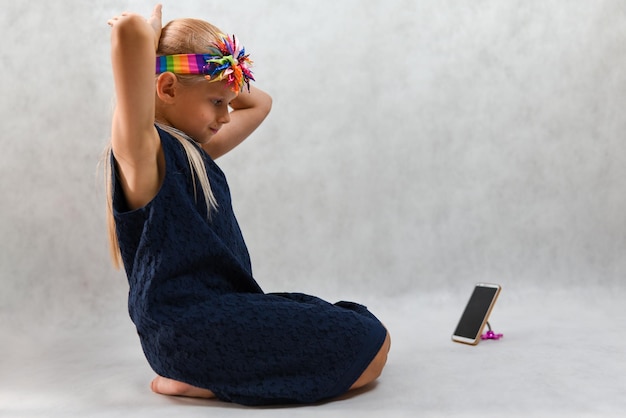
[(224, 61)]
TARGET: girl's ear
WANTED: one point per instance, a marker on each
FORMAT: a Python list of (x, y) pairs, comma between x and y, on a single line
[(166, 84)]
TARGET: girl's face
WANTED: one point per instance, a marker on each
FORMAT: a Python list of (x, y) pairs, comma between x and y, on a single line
[(201, 109)]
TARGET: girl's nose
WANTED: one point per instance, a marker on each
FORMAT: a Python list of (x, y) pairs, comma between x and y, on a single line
[(224, 116)]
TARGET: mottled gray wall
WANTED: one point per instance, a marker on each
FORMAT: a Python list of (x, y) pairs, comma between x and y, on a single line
[(412, 145)]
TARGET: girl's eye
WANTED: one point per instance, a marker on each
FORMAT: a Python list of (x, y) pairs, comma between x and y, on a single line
[(218, 102)]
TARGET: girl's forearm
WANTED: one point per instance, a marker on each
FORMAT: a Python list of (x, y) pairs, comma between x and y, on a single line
[(249, 111), (132, 56)]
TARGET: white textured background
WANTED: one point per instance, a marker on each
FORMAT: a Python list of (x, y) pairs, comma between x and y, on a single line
[(414, 148)]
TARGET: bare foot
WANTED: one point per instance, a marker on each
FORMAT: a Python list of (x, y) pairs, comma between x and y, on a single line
[(171, 387)]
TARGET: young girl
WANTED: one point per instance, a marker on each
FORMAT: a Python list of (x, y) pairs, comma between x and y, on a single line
[(206, 327)]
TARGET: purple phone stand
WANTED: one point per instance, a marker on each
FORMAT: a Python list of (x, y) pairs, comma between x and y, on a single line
[(490, 335)]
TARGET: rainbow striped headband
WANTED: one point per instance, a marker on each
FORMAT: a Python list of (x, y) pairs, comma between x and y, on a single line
[(224, 61)]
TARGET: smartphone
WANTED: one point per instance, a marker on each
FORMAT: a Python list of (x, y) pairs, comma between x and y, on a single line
[(476, 313)]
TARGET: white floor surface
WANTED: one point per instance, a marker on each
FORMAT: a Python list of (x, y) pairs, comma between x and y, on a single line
[(562, 354)]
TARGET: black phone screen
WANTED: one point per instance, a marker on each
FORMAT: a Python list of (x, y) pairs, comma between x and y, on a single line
[(475, 311)]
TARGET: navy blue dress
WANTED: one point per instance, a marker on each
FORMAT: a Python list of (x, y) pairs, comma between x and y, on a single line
[(203, 319)]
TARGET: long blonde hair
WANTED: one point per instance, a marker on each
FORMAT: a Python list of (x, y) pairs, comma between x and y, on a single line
[(180, 36)]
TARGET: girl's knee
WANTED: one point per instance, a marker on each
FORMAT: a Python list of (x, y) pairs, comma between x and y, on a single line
[(375, 368), (380, 360)]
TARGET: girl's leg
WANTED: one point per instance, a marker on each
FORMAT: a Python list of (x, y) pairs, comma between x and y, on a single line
[(166, 386), (376, 366)]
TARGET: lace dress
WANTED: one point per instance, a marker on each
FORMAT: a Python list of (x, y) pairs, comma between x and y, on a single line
[(203, 319)]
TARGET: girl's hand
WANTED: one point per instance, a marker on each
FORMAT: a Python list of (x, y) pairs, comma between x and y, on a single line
[(155, 22)]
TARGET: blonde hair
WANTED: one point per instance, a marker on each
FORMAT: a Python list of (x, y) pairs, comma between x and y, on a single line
[(180, 36)]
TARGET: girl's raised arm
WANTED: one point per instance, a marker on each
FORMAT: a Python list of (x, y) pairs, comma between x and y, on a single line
[(249, 110), (134, 139)]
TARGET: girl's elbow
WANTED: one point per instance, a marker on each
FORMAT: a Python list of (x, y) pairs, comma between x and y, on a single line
[(268, 106)]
